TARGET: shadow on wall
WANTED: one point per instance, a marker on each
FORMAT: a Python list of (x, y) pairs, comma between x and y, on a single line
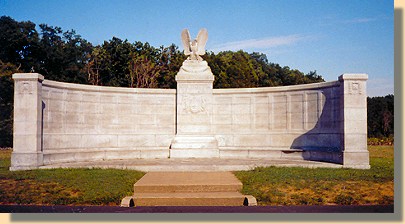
[(323, 141), (42, 125)]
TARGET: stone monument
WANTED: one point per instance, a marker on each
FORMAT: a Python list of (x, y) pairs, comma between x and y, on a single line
[(59, 124), (194, 137)]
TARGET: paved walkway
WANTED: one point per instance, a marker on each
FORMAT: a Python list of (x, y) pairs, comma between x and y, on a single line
[(194, 164)]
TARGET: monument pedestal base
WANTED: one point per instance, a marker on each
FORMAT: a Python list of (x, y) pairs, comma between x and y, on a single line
[(356, 159), (26, 161), (194, 147)]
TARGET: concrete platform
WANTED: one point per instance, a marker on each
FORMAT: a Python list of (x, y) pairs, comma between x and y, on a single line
[(189, 189), (193, 164)]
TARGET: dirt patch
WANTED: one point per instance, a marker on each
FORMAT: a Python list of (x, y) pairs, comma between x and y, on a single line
[(328, 193), (33, 192)]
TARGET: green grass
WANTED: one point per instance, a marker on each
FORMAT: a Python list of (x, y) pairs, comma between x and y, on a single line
[(64, 186), (320, 186), (270, 185)]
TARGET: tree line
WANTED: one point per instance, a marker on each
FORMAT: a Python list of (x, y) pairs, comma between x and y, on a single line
[(65, 56), (380, 116)]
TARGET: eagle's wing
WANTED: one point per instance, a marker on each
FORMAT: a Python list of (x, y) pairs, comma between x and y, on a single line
[(202, 38), (185, 38)]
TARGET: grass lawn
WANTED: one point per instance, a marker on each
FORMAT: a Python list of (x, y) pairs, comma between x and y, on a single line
[(324, 186), (64, 186), (271, 185)]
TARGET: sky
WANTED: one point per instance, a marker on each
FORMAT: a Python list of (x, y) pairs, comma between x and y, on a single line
[(332, 37)]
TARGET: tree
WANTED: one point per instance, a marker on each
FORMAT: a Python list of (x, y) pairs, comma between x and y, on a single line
[(64, 55), (118, 55), (96, 65), (170, 59), (6, 103), (19, 43), (143, 71), (380, 116), (313, 77), (75, 53)]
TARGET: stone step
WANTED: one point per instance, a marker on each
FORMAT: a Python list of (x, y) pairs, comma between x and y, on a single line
[(194, 153), (188, 189), (165, 182), (190, 199)]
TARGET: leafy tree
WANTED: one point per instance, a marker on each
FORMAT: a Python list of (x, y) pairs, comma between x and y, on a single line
[(6, 103), (118, 54), (380, 116), (97, 65), (313, 77), (63, 55), (170, 59), (144, 71), (19, 43), (233, 69), (240, 69)]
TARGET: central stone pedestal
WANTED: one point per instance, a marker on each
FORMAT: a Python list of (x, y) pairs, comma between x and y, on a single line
[(194, 138)]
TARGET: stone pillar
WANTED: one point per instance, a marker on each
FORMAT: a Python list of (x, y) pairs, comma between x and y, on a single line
[(194, 138), (27, 132), (353, 110)]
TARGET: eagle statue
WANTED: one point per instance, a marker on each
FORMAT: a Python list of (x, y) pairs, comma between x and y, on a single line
[(196, 47)]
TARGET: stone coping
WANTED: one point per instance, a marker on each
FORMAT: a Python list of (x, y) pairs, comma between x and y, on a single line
[(91, 88), (28, 76), (303, 87), (111, 89), (353, 76)]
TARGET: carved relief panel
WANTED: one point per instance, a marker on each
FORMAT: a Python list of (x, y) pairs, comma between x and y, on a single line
[(194, 104), (355, 88), (25, 88)]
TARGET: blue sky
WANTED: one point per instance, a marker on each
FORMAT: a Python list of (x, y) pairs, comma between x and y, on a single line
[(332, 37)]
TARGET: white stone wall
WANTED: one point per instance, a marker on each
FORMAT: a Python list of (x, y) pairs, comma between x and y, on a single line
[(82, 122), (263, 122), (58, 122)]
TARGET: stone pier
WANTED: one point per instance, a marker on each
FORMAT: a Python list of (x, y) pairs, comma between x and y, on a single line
[(194, 137), (27, 132), (354, 120)]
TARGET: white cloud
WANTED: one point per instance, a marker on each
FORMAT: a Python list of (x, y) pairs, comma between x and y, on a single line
[(333, 21), (360, 20), (264, 43)]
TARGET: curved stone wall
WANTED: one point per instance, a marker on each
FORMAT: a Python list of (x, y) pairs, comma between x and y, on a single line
[(82, 123), (265, 122), (58, 122)]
